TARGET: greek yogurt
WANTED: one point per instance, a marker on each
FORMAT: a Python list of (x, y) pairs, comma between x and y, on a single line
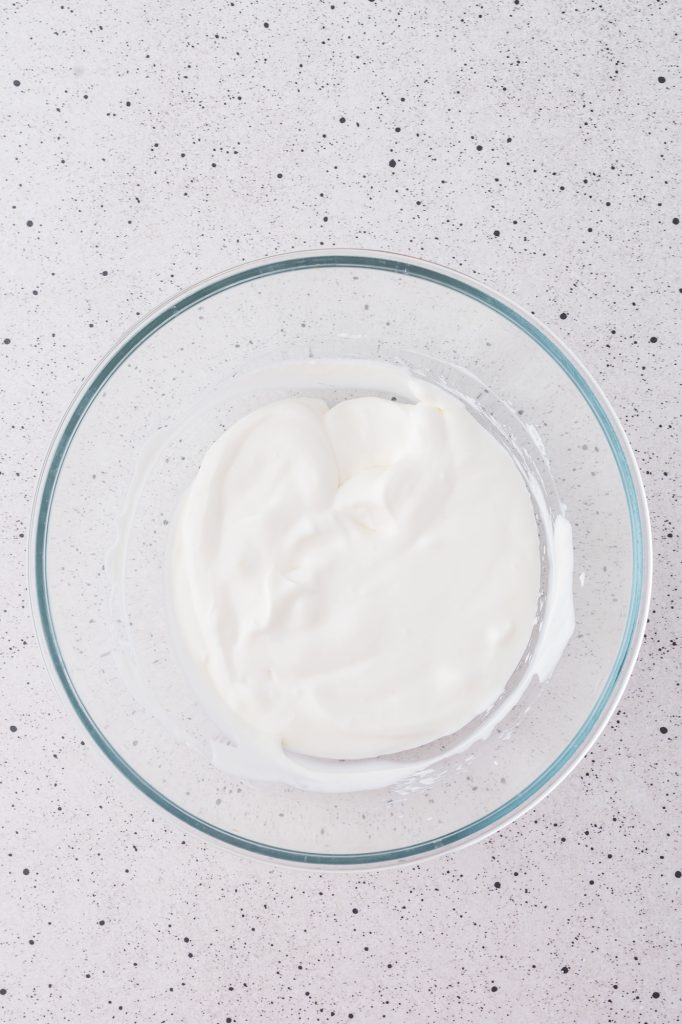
[(356, 580)]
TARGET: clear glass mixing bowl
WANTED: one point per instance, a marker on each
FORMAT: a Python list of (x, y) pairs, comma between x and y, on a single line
[(132, 441)]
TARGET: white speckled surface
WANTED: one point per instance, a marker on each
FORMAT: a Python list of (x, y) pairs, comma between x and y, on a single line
[(145, 146)]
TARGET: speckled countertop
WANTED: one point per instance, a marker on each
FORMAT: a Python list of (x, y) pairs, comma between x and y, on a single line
[(144, 146)]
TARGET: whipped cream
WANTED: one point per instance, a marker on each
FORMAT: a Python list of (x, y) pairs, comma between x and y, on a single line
[(357, 580)]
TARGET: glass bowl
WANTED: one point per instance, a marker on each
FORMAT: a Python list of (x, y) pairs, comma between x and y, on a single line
[(133, 439)]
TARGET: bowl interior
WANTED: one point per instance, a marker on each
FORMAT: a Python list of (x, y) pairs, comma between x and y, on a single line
[(131, 444)]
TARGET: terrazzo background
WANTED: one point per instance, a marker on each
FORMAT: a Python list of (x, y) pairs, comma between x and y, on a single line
[(146, 145)]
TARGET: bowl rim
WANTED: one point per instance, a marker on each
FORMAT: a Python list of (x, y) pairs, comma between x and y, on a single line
[(590, 391)]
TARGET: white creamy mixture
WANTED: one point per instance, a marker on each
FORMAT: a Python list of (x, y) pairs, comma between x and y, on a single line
[(357, 580)]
